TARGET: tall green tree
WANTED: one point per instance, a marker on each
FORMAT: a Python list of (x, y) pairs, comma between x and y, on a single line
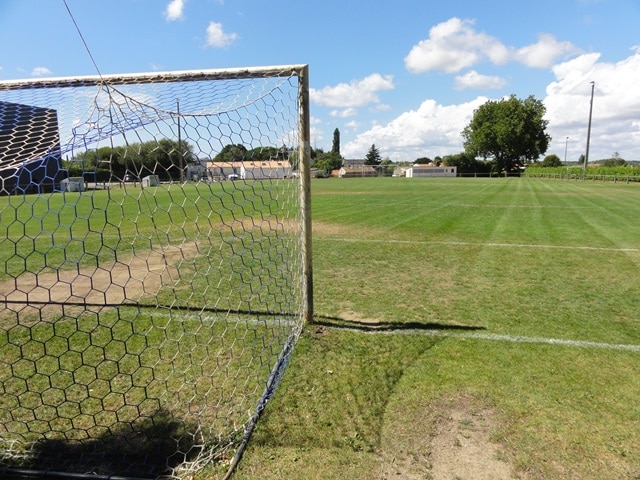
[(466, 163), (510, 131), (335, 149), (327, 161), (231, 153), (373, 156)]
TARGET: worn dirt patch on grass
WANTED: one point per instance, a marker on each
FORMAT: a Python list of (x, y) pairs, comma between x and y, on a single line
[(462, 447), (452, 440), (112, 283)]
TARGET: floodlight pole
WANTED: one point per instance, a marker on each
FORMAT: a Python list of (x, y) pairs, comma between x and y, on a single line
[(586, 156), (566, 145)]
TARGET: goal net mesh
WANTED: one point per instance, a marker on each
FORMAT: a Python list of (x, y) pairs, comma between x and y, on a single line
[(152, 289)]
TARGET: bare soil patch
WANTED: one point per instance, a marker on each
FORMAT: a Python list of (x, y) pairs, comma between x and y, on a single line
[(462, 448), (452, 441), (127, 279)]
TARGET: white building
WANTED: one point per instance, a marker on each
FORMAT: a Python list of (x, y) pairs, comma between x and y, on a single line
[(263, 169), (217, 171), (427, 171), (249, 170)]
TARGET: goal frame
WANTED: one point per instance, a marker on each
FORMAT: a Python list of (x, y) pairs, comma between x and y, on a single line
[(304, 148), (300, 71)]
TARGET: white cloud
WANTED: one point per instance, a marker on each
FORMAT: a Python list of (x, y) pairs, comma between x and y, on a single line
[(544, 52), (345, 113), (455, 45), (358, 93), (175, 10), (452, 46), (616, 103), (431, 130), (434, 129), (217, 37), (317, 134), (473, 79), (40, 72)]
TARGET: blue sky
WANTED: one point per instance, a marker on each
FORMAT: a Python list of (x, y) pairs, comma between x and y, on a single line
[(404, 75)]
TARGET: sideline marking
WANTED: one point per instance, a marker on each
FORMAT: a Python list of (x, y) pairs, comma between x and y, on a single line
[(499, 245)]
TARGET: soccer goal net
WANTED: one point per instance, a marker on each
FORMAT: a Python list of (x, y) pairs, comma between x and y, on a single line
[(154, 238)]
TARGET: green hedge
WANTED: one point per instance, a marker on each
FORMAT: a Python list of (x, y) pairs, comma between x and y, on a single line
[(623, 173)]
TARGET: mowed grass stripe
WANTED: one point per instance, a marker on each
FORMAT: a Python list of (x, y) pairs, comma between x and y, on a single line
[(526, 265), (547, 272)]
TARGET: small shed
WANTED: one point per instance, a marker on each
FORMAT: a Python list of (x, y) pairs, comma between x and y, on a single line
[(72, 184), (150, 181)]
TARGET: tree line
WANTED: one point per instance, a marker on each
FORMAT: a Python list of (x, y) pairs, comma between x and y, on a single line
[(168, 159)]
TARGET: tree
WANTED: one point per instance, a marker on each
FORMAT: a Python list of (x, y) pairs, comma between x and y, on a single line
[(268, 153), (511, 132), (166, 158), (373, 156), (388, 167), (231, 153), (335, 149), (466, 163), (423, 161), (327, 161), (615, 161), (552, 160)]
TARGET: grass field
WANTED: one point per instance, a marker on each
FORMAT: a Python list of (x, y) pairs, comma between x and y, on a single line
[(139, 327), (497, 311)]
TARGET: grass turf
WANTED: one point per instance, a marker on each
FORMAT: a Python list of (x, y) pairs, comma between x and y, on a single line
[(509, 257)]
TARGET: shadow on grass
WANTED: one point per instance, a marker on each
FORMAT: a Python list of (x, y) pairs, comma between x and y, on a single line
[(150, 449), (336, 322)]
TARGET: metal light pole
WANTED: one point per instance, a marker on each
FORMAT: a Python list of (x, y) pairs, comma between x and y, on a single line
[(566, 144), (586, 157), (180, 167)]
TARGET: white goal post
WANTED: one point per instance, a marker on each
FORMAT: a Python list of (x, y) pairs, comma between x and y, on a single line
[(155, 233)]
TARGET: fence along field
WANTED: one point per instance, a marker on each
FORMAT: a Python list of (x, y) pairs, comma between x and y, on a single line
[(143, 328)]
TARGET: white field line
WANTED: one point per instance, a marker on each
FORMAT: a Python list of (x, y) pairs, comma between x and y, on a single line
[(520, 339), (208, 319), (497, 245)]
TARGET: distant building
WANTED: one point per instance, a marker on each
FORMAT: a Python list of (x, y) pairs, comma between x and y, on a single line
[(264, 169), (355, 167), (348, 163), (30, 159), (217, 171), (357, 171), (427, 171), (249, 170)]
